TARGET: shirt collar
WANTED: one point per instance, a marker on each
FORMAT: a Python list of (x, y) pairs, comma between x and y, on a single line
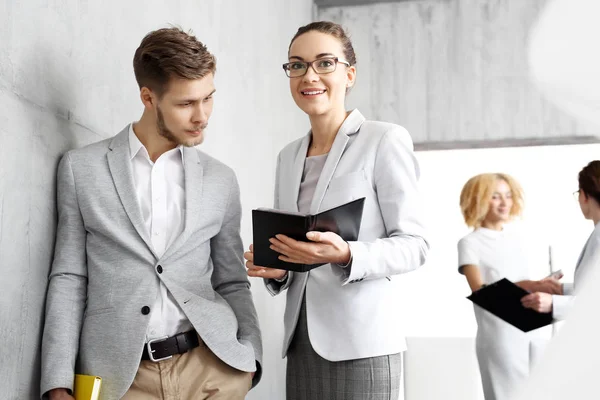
[(135, 145)]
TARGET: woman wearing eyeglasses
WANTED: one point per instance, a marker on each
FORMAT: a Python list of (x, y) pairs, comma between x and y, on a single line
[(343, 335), (493, 251), (588, 196)]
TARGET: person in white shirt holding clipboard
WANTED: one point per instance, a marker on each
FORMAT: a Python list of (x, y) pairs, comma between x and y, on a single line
[(491, 252)]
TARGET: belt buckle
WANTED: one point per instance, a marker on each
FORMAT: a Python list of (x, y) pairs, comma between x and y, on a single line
[(151, 352)]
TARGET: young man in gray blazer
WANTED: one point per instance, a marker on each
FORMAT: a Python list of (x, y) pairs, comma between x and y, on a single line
[(148, 288)]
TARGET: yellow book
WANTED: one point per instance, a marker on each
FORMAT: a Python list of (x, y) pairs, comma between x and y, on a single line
[(87, 387)]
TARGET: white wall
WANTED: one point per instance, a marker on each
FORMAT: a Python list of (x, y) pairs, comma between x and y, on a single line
[(66, 79)]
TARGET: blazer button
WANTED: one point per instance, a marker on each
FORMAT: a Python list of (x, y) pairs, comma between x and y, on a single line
[(145, 310), (159, 269)]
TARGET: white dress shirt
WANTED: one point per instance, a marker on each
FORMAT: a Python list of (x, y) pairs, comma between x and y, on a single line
[(160, 190)]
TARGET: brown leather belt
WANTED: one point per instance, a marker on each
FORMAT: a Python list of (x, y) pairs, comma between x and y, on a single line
[(165, 348)]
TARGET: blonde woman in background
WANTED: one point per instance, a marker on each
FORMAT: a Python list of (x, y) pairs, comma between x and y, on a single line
[(493, 251)]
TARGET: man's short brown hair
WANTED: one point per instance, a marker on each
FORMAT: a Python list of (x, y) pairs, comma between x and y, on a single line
[(170, 53)]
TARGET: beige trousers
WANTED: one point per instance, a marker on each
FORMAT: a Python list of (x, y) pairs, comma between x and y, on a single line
[(195, 375)]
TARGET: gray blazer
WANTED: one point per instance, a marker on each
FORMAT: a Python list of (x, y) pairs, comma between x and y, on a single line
[(588, 259), (352, 312), (105, 271)]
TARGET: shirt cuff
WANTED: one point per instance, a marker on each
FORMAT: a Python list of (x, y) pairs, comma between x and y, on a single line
[(567, 289), (349, 263)]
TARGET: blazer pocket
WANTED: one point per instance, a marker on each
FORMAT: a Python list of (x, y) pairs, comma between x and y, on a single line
[(348, 181)]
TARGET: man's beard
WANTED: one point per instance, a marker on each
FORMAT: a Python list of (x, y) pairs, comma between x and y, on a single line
[(165, 132)]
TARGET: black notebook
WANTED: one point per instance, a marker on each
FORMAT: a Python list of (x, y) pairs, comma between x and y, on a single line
[(266, 223), (503, 299)]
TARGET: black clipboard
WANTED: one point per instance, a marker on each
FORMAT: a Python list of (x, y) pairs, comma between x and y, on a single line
[(344, 220), (503, 299)]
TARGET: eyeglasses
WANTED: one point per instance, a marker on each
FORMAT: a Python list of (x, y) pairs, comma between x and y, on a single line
[(576, 194), (321, 66)]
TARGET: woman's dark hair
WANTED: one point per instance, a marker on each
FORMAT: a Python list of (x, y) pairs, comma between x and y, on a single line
[(333, 29), (589, 180)]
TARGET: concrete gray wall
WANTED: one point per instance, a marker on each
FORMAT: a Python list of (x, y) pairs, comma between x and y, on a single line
[(451, 70), (66, 80)]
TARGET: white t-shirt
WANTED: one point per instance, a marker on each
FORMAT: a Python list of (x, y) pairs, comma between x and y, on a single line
[(498, 254)]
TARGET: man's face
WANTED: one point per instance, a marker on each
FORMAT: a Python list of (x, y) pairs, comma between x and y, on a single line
[(183, 111)]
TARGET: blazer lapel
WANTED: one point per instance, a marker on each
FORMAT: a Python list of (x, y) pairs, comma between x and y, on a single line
[(351, 125), (119, 163), (193, 178)]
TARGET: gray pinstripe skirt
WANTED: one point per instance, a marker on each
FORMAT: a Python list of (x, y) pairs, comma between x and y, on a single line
[(311, 377)]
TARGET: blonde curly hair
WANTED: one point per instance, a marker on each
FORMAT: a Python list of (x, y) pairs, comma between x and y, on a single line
[(476, 195)]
